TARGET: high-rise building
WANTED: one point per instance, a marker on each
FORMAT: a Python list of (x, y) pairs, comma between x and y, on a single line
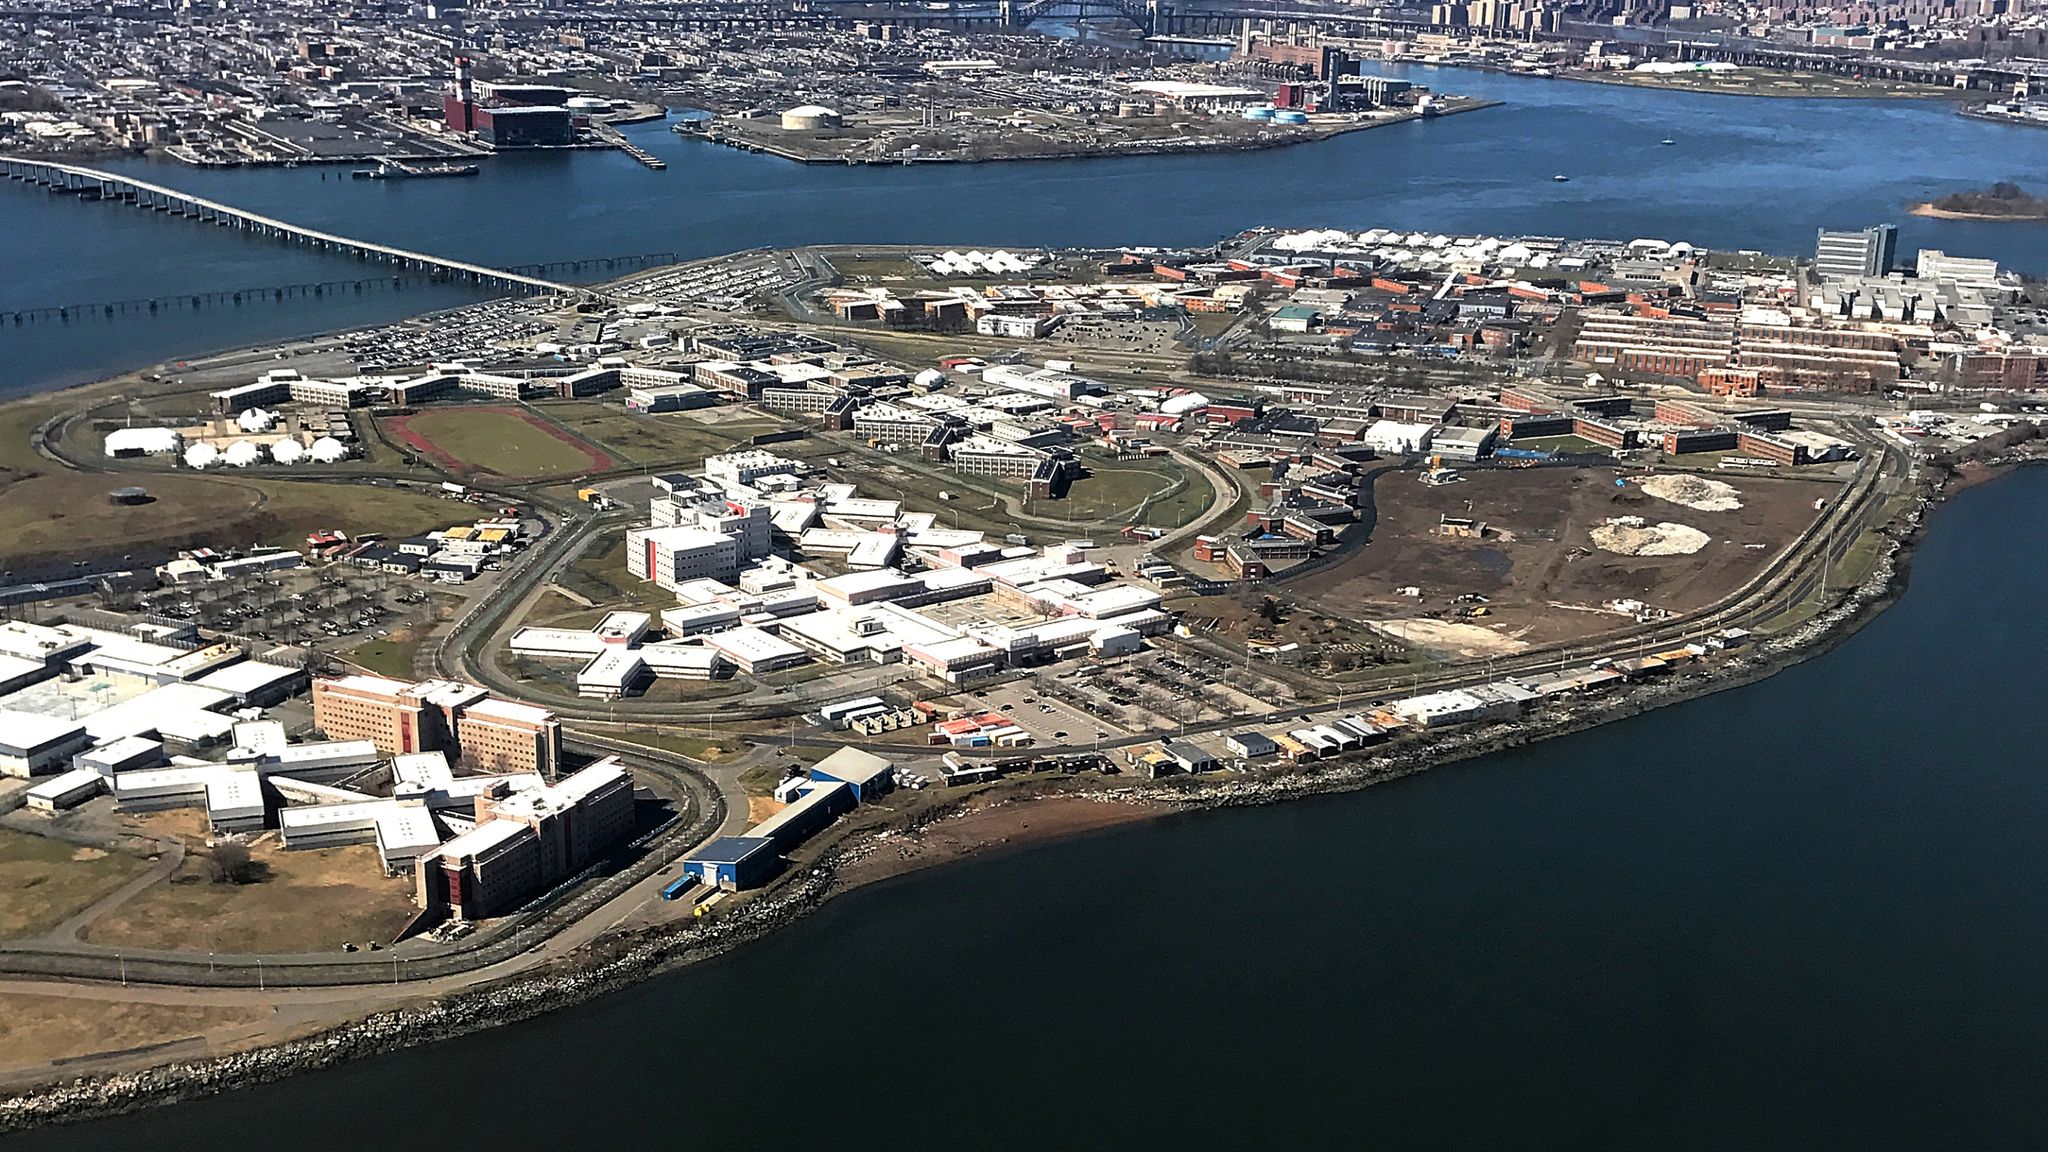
[(400, 717), (1849, 255), (525, 842)]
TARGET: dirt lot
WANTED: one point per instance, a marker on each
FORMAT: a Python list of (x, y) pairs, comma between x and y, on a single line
[(1537, 566), (37, 1029), (309, 901)]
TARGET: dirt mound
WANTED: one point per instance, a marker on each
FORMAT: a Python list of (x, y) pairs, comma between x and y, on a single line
[(1694, 492), (1630, 536)]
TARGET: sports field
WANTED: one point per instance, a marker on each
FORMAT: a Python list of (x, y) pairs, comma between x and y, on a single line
[(507, 442)]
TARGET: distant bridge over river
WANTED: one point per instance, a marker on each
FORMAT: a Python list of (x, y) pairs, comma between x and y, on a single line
[(94, 184)]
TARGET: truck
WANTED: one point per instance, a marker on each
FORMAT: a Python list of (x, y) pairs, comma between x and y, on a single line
[(455, 490)]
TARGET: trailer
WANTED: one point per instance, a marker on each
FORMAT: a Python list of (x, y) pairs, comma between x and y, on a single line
[(675, 888)]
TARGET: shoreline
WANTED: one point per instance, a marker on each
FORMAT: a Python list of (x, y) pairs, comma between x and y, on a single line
[(859, 857), (1933, 96), (1585, 76), (1928, 210), (740, 144)]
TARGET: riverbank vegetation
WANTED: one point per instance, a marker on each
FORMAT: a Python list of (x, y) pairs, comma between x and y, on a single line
[(2002, 201)]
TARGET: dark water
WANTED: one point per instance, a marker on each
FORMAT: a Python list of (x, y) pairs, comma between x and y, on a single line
[(1745, 173), (1810, 913)]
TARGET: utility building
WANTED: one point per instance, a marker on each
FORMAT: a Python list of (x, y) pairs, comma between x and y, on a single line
[(733, 863)]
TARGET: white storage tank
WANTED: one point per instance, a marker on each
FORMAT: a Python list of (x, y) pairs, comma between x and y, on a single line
[(810, 118)]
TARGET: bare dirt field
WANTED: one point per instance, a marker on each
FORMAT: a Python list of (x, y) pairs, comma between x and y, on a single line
[(35, 1029), (983, 829), (1543, 578), (308, 901)]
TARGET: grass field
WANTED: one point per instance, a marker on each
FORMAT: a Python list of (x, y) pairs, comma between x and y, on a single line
[(310, 901), (1571, 445), (666, 438), (600, 576), (16, 422), (1109, 489), (38, 1029), (390, 656), (697, 746), (65, 515), (502, 441), (43, 882)]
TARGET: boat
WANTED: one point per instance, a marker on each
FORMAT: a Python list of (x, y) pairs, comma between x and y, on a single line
[(1561, 178), (1668, 141)]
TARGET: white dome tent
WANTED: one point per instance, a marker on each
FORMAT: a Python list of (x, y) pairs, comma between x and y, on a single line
[(201, 456)]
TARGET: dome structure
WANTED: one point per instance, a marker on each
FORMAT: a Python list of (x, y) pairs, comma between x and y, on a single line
[(811, 118)]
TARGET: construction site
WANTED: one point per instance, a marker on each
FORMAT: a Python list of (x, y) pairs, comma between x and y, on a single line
[(1497, 560)]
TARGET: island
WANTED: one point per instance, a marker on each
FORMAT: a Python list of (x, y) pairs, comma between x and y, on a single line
[(710, 592), (2002, 201)]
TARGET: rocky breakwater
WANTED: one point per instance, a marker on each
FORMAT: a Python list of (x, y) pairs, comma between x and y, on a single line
[(603, 967)]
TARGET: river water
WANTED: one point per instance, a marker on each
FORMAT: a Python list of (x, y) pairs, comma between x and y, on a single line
[(1808, 913), (1744, 173)]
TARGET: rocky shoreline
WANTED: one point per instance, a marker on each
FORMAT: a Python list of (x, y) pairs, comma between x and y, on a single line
[(615, 963)]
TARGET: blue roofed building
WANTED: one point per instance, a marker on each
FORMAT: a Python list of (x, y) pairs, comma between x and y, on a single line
[(733, 863)]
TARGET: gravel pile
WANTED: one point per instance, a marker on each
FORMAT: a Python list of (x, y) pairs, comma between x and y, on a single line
[(1694, 492), (1630, 536)]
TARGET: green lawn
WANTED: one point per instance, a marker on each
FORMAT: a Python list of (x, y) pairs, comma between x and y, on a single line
[(44, 881), (386, 657), (1570, 444), (670, 437), (504, 443)]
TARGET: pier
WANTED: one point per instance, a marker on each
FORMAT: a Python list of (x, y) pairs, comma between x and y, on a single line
[(94, 184)]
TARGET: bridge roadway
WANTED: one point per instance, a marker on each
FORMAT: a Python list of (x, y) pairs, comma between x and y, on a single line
[(143, 194)]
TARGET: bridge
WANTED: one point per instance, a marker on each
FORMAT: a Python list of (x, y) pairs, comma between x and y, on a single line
[(94, 184), (1143, 13), (278, 293)]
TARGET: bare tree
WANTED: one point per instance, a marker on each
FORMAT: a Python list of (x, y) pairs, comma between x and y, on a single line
[(231, 863)]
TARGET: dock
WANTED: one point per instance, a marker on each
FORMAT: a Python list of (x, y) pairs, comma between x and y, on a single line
[(643, 155)]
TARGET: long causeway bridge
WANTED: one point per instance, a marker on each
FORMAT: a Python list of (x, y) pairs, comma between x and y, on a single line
[(94, 184)]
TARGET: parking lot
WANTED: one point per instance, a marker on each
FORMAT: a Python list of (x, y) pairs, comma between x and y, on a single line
[(1046, 707), (461, 334), (725, 283), (333, 606), (1120, 334)]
